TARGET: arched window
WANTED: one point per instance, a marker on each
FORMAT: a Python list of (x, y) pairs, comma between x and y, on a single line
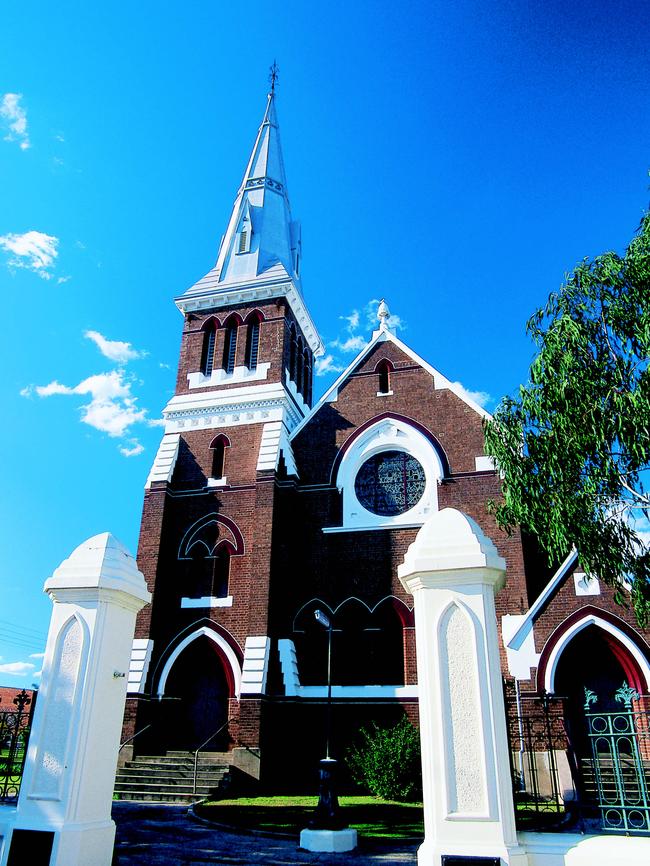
[(208, 574), (367, 644), (221, 571), (207, 353), (244, 240), (230, 346), (384, 369), (305, 374), (292, 353), (299, 367), (252, 341), (308, 379), (218, 447)]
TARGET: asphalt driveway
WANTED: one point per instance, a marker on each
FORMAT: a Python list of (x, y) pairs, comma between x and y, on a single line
[(151, 834)]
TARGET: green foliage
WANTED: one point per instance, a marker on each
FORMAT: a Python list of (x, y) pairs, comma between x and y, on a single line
[(386, 761), (574, 445)]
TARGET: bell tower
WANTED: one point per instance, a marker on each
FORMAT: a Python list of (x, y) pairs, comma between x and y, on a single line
[(244, 382)]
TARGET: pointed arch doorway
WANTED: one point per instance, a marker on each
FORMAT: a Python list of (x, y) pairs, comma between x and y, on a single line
[(197, 692)]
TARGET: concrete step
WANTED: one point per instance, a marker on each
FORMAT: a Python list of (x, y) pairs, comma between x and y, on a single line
[(172, 769), (157, 797), (162, 787), (169, 778)]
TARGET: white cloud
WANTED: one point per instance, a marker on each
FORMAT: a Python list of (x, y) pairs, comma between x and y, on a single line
[(17, 669), (326, 365), (14, 117), (480, 397), (352, 321), (115, 350), (355, 334), (112, 407), (63, 279), (351, 344), (37, 656), (133, 451), (156, 422), (33, 250)]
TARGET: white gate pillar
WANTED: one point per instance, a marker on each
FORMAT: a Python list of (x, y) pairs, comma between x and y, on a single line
[(67, 787), (453, 570)]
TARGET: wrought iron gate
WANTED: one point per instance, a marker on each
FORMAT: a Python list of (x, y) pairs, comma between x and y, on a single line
[(14, 734), (620, 752)]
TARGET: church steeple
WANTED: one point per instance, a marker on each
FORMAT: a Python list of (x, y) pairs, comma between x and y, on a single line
[(261, 234), (260, 252)]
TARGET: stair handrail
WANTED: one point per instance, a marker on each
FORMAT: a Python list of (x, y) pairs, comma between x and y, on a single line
[(137, 734), (196, 753)]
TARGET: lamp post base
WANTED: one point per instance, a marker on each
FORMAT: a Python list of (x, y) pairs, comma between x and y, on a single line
[(331, 841)]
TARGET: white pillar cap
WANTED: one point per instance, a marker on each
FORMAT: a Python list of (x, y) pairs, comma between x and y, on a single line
[(450, 541), (100, 562)]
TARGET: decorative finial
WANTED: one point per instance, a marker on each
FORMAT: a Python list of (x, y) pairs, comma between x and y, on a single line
[(273, 76), (383, 314)]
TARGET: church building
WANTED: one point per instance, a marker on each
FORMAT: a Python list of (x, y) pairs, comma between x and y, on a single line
[(264, 506)]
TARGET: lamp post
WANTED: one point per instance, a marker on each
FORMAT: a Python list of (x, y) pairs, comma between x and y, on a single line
[(326, 622), (327, 831), (327, 815)]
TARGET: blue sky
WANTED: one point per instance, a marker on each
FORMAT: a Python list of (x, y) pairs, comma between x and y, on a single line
[(454, 157)]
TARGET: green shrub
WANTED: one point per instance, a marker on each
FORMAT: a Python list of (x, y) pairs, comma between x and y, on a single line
[(386, 761)]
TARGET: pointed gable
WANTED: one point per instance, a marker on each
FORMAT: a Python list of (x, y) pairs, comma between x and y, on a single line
[(418, 395)]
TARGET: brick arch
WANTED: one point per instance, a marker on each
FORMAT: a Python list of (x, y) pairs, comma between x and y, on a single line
[(233, 320), (221, 439), (227, 647), (192, 535), (254, 316), (211, 322), (628, 647), (349, 442)]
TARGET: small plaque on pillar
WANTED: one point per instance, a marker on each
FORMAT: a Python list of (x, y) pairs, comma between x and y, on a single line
[(30, 846), (455, 860)]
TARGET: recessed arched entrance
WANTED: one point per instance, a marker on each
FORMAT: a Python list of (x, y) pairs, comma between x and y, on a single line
[(196, 698), (591, 660)]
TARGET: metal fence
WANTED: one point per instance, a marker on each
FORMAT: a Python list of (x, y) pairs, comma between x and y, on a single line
[(542, 772), (14, 735), (620, 761), (596, 777)]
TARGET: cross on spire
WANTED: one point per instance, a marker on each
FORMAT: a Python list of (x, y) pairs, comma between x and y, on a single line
[(273, 75)]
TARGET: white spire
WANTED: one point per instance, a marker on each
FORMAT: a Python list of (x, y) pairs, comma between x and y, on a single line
[(260, 255), (383, 314), (261, 234)]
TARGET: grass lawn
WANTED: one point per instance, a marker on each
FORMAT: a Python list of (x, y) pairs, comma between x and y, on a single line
[(369, 816)]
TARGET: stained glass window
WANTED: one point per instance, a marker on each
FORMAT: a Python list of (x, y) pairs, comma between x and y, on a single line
[(390, 483)]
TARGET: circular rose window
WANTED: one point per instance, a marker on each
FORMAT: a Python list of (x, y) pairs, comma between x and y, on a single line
[(390, 483)]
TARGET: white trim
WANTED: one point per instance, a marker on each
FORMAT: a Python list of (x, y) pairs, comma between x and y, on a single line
[(543, 598), (247, 404), (257, 652), (360, 691), (439, 381), (207, 601), (164, 462), (139, 665), (388, 434), (369, 528), (293, 688), (209, 293), (592, 619), (220, 377), (228, 652)]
